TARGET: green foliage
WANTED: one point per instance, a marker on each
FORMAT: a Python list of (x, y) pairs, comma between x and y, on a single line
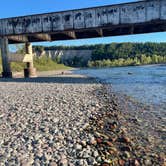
[(143, 60), (45, 64), (58, 59), (128, 50), (75, 62), (132, 53), (20, 48), (17, 66), (39, 49), (42, 64), (104, 55)]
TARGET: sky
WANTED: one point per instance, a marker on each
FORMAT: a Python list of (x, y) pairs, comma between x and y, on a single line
[(11, 8)]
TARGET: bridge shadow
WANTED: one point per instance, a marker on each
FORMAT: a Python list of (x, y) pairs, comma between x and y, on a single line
[(55, 79)]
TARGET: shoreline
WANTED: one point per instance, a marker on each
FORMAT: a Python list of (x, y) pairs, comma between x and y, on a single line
[(151, 147), (45, 73), (91, 129), (122, 133), (87, 68)]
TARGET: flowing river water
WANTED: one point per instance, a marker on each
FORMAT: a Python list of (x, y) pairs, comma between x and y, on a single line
[(147, 84), (141, 91)]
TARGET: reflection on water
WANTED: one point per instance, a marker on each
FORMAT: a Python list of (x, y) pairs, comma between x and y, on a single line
[(147, 84)]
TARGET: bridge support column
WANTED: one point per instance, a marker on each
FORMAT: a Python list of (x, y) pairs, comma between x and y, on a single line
[(30, 71), (5, 61)]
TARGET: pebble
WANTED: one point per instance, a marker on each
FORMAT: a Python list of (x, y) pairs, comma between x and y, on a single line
[(121, 162), (51, 121), (95, 154), (147, 162), (78, 147), (53, 164), (47, 116), (63, 162), (127, 154), (136, 163), (91, 161)]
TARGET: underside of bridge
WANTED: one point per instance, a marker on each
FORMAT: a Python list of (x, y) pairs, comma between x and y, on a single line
[(119, 30), (113, 20)]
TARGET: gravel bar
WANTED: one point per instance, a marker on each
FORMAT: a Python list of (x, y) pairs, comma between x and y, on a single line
[(42, 121), (66, 120)]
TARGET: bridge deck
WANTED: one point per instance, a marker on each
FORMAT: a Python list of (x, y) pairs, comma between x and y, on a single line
[(123, 19)]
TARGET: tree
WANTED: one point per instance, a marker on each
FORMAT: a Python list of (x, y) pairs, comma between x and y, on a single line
[(20, 48)]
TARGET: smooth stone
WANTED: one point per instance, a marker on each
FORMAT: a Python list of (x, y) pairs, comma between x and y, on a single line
[(63, 162), (78, 147), (53, 164), (95, 154), (91, 161)]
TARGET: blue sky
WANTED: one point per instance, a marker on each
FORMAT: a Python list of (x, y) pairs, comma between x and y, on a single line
[(11, 8)]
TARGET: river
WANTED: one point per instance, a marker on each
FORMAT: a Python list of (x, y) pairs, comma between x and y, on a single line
[(146, 84), (141, 94)]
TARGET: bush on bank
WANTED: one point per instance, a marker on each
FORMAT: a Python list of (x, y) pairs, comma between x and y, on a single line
[(142, 60), (45, 64), (115, 52)]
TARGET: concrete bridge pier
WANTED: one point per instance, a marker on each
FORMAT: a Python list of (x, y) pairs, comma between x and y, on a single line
[(5, 59), (30, 71)]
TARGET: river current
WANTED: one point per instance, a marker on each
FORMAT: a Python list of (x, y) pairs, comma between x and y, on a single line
[(146, 84)]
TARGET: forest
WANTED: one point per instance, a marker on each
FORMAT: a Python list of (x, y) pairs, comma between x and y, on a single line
[(118, 54)]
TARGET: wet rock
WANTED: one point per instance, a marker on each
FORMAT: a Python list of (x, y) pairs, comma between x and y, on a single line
[(113, 150), (124, 139), (113, 125), (109, 143), (99, 140), (126, 154), (136, 163), (126, 148), (121, 162)]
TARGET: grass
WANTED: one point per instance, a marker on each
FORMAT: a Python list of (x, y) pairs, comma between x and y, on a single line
[(46, 64), (41, 64), (17, 66)]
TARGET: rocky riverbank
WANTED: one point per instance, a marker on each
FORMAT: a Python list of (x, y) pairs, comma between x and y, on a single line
[(65, 120), (125, 133)]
